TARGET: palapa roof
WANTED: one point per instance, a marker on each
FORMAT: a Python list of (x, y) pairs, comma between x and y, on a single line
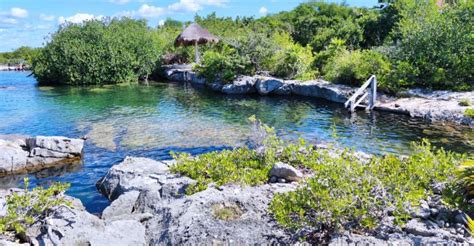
[(195, 33)]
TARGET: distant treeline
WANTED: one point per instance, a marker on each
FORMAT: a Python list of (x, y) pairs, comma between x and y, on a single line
[(406, 44), (23, 55)]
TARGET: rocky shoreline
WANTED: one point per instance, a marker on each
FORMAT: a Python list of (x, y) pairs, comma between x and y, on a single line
[(443, 106), (149, 203)]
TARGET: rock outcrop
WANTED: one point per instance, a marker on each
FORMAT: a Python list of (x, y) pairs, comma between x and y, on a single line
[(22, 154), (197, 219)]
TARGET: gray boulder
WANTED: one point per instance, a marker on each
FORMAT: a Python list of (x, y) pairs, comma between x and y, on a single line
[(284, 171), (321, 89), (266, 85), (12, 157), (229, 215), (241, 85), (57, 144), (139, 174), (67, 226), (22, 154)]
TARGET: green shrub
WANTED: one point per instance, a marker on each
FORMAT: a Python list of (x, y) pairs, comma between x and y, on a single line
[(27, 207), (97, 52), (348, 193), (469, 112), (465, 174), (223, 64), (438, 45), (292, 61), (355, 67), (242, 166), (465, 102)]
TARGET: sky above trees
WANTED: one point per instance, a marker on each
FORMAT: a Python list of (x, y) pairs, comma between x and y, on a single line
[(28, 22)]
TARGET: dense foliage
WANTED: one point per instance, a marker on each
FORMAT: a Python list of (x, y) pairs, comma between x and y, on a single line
[(347, 192), (97, 52), (29, 206), (406, 44)]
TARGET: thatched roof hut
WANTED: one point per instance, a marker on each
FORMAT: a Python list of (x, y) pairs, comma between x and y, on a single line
[(195, 35)]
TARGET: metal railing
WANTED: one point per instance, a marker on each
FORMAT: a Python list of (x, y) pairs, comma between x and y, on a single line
[(357, 98)]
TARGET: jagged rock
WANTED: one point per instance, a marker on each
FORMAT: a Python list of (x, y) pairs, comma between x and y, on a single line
[(21, 154), (12, 157), (321, 89), (72, 227), (418, 228), (141, 174), (123, 205), (266, 86), (241, 85), (58, 144), (195, 219), (285, 172)]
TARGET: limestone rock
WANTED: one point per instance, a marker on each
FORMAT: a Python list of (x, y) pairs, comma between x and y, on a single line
[(21, 154), (241, 85), (71, 227), (12, 157), (195, 219), (266, 86), (142, 174), (284, 171)]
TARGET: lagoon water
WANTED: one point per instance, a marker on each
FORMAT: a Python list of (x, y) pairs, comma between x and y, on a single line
[(151, 121)]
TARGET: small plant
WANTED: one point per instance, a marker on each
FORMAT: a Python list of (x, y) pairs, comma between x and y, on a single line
[(26, 207), (245, 166), (226, 211), (470, 225), (465, 102), (469, 112), (465, 174)]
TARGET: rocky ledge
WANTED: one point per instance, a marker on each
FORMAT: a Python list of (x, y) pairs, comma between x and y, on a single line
[(23, 154), (144, 190), (149, 203), (433, 106)]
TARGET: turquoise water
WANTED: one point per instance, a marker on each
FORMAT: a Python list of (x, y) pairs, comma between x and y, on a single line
[(151, 121)]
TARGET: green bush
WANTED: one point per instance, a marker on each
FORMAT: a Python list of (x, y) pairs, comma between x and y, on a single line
[(243, 166), (27, 207), (347, 193), (436, 47), (97, 52), (355, 67), (465, 102), (223, 64), (292, 61), (469, 112)]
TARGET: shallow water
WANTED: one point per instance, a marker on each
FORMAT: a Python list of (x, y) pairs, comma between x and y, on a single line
[(151, 121)]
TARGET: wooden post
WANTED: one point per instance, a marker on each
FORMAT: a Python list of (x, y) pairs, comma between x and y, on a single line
[(196, 53)]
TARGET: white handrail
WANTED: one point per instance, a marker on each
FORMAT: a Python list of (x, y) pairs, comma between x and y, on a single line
[(353, 101)]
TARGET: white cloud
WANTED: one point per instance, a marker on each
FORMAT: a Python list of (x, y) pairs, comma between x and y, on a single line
[(119, 1), (161, 22), (78, 18), (9, 21), (194, 5), (47, 17), (263, 11), (150, 11), (18, 12)]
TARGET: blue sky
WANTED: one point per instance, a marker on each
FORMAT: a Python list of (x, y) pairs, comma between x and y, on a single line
[(28, 22)]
